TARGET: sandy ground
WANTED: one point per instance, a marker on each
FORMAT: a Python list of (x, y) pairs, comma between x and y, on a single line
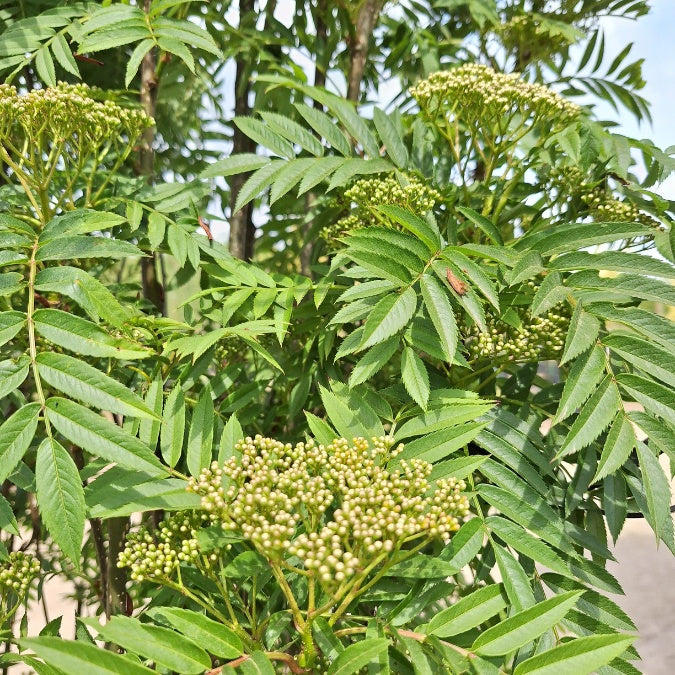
[(647, 575)]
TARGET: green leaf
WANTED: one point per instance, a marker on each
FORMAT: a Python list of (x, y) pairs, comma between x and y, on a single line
[(381, 266), (63, 55), (148, 430), (440, 312), (468, 612), (232, 434), (156, 229), (12, 374), (454, 412), (136, 58), (615, 261), (164, 646), (350, 414), (357, 655), (622, 285), (389, 316), (661, 435), (581, 656), (423, 567), (178, 48), (525, 626), (257, 664), (358, 167), (119, 492), (246, 565), (618, 446), (86, 291), (263, 135), (7, 523), (200, 437), (527, 508), (591, 603), (614, 503), (654, 397), (78, 222), (258, 182), (60, 497), (550, 293), (584, 375), (465, 544), (473, 273), (391, 138), (655, 327), (413, 224), (483, 223), (516, 582), (84, 337), (575, 237), (89, 385), (293, 132), (528, 265), (319, 171), (289, 177), (644, 355), (596, 415), (217, 639), (235, 164), (72, 656), (190, 33), (657, 487), (326, 639), (320, 429), (45, 66), (373, 360), (325, 127), (439, 444), (112, 38), (415, 377), (16, 434), (10, 283), (10, 324), (582, 333), (102, 438), (172, 433)]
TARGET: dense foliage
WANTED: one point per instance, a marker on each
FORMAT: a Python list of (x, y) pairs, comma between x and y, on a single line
[(432, 362)]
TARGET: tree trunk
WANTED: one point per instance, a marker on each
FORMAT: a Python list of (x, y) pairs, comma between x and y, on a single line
[(242, 231), (319, 81), (366, 20)]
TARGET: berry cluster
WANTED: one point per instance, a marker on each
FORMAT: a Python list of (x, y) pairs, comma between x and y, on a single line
[(337, 508), (157, 555), (366, 193), (17, 572), (538, 338), (478, 95)]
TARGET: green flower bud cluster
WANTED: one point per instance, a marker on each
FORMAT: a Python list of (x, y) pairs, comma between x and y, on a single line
[(415, 196), (606, 209), (17, 573), (539, 338), (337, 508), (533, 37), (571, 181), (479, 95), (61, 113), (157, 555)]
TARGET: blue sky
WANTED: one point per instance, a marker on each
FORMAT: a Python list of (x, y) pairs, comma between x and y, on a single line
[(652, 36)]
